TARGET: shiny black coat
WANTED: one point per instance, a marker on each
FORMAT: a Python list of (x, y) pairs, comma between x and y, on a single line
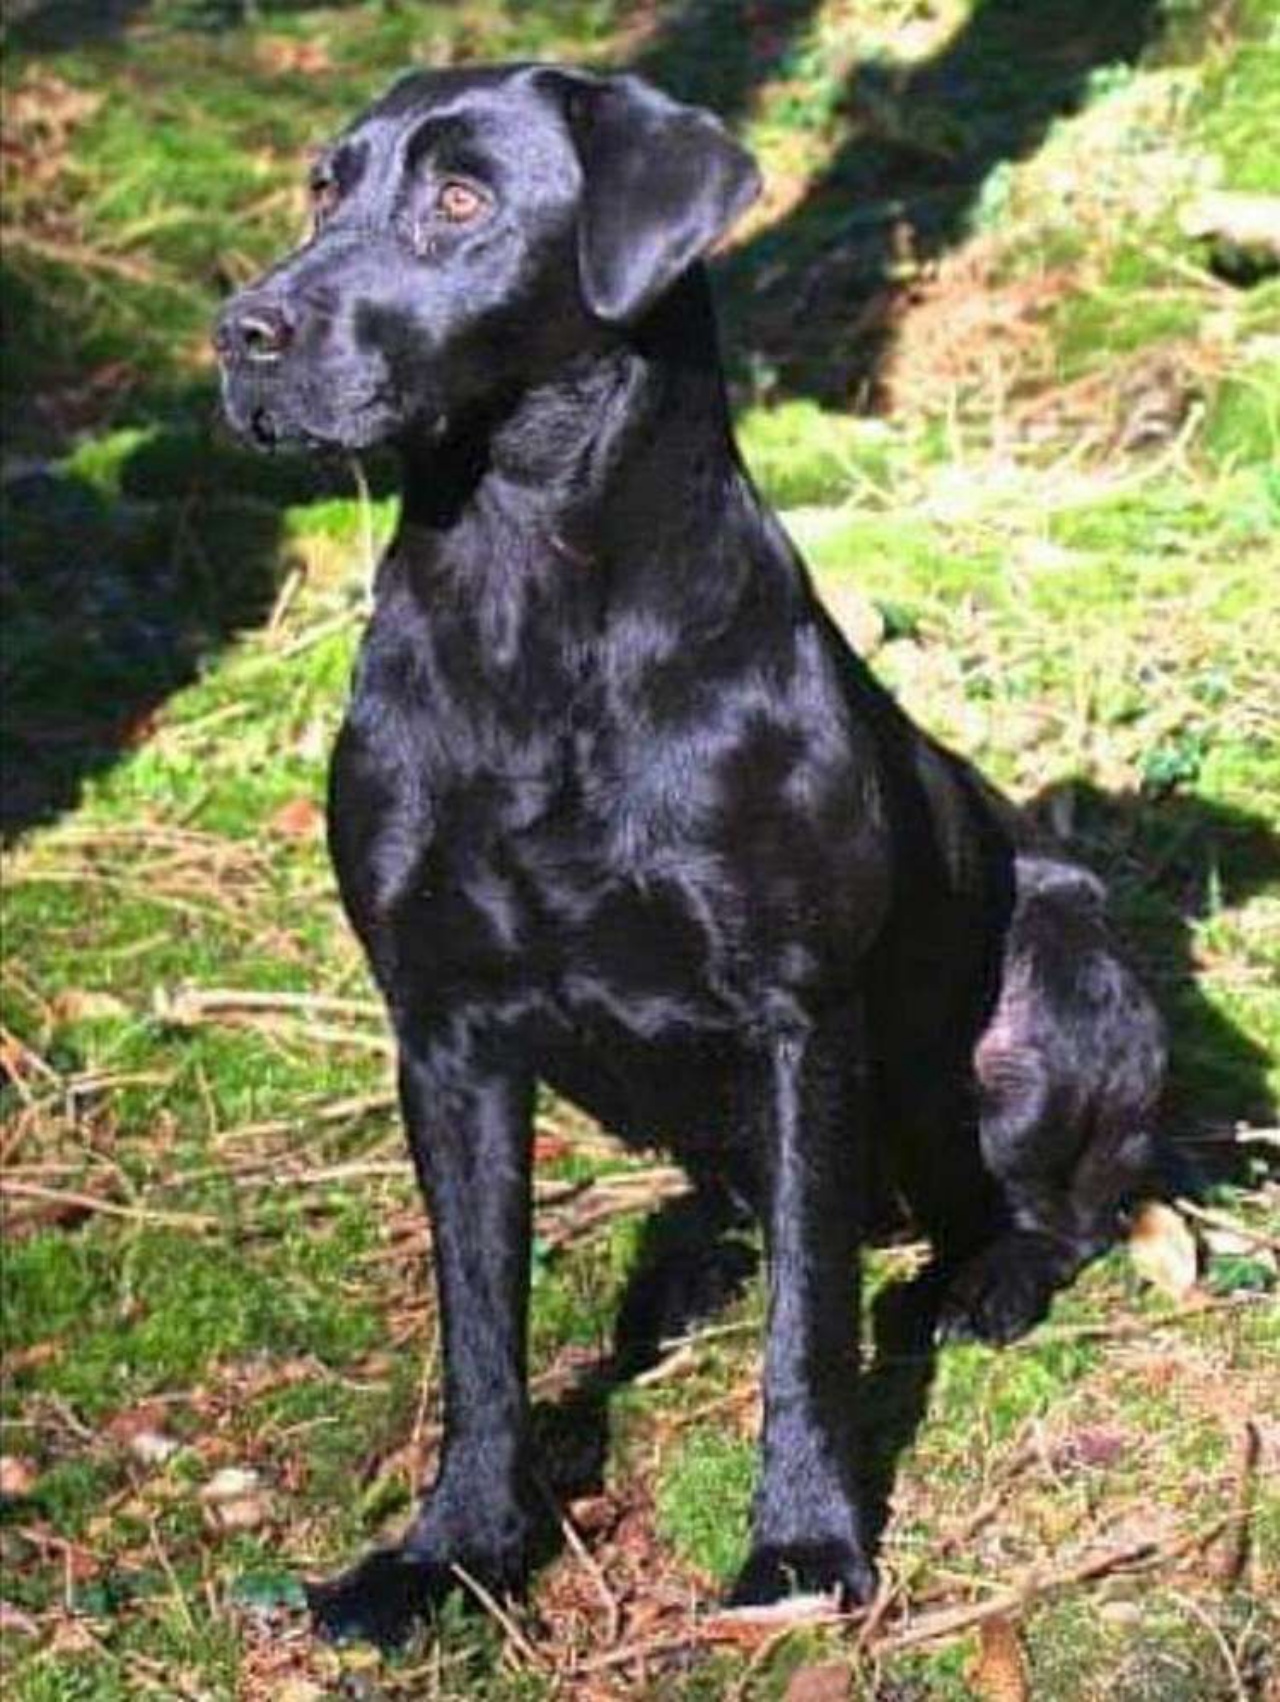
[(615, 807)]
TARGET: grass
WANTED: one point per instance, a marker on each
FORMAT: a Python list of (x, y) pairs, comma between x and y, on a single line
[(1058, 536)]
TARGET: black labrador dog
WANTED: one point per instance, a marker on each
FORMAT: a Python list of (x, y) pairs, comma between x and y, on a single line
[(616, 808)]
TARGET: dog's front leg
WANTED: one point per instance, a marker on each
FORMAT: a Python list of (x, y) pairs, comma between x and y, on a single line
[(810, 1116), (468, 1114)]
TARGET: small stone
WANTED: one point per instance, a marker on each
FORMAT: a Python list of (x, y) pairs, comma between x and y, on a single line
[(235, 1501), (17, 1477), (152, 1447), (231, 1484)]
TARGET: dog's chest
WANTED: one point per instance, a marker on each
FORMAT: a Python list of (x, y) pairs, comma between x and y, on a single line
[(550, 875)]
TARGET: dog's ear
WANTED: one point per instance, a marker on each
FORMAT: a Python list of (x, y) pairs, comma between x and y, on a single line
[(661, 183)]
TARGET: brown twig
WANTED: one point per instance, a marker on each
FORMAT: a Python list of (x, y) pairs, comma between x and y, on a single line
[(1125, 1328), (1230, 1563), (336, 1111), (1232, 1226), (499, 1614), (82, 257), (723, 1628), (950, 1621), (107, 1208), (588, 1562)]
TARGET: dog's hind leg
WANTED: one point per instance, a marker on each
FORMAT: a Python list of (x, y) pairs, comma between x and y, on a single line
[(1063, 1211), (694, 1259)]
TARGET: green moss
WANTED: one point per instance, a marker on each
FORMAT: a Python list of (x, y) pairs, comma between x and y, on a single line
[(703, 1500), (1242, 428), (802, 454), (157, 1315), (1095, 326), (1240, 112)]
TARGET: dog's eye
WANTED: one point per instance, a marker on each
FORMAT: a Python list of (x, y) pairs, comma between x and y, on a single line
[(325, 195), (459, 202)]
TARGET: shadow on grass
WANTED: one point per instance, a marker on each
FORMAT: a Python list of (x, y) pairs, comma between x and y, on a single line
[(114, 593), (136, 540), (1170, 861), (52, 26), (693, 1261), (817, 295)]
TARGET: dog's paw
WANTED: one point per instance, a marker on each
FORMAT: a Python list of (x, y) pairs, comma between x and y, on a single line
[(1002, 1292), (385, 1597), (835, 1570), (382, 1599)]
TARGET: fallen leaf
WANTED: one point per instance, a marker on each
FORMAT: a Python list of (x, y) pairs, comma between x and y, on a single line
[(1124, 1614), (300, 818), (12, 1619), (83, 1004), (1093, 1445), (828, 1682), (124, 1425), (1163, 1250), (286, 55), (17, 1476), (999, 1674), (139, 729), (1236, 1243), (300, 1690), (593, 1514), (244, 1513), (39, 1353)]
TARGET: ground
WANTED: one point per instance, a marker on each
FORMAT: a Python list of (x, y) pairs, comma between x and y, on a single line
[(1028, 432)]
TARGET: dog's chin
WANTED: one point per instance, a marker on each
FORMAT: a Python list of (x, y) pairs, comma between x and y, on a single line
[(269, 423)]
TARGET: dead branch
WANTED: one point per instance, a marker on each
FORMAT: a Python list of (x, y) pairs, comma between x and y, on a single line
[(1231, 1225), (198, 1221), (187, 1005), (1233, 1557)]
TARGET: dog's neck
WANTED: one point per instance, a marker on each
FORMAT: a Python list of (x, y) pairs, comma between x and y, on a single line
[(624, 445)]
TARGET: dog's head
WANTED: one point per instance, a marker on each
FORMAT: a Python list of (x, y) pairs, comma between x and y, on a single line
[(472, 231)]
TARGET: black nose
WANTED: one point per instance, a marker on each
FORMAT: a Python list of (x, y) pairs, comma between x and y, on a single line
[(253, 330)]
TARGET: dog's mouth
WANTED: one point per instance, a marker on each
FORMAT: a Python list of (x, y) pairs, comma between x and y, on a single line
[(273, 423)]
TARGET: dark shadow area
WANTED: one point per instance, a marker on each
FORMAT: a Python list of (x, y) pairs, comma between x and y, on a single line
[(52, 26), (114, 593), (694, 1259), (125, 569), (814, 299), (894, 1397), (1169, 861), (49, 26)]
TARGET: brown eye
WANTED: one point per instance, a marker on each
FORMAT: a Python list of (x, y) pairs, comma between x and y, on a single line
[(459, 202), (325, 196)]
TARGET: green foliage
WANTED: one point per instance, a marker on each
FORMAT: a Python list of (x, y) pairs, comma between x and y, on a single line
[(703, 1501)]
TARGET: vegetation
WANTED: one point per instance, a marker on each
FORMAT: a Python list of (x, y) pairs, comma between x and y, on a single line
[(1029, 438)]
